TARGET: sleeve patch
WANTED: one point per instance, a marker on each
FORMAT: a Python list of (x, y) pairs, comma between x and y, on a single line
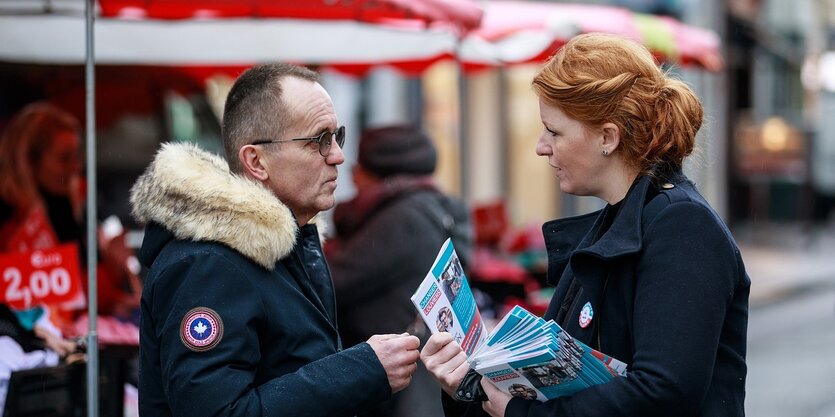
[(201, 329)]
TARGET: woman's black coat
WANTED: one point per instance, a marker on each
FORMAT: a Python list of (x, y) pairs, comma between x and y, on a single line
[(669, 293)]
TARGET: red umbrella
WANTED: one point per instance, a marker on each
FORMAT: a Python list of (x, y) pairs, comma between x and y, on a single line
[(349, 35), (462, 13), (176, 44), (519, 31)]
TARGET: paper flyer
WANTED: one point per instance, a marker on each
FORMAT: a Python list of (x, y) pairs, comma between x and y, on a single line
[(445, 301)]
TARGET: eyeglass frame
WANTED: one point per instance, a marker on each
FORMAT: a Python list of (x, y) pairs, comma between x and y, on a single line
[(337, 136)]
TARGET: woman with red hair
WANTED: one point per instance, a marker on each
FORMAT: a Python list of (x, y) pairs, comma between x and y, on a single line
[(654, 279)]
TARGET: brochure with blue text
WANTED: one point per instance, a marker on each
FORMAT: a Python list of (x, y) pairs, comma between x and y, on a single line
[(524, 354), (532, 358), (445, 301)]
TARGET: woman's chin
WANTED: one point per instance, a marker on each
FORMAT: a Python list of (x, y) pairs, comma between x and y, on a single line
[(566, 187)]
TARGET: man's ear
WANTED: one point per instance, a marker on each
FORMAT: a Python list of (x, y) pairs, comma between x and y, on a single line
[(253, 164), (611, 137)]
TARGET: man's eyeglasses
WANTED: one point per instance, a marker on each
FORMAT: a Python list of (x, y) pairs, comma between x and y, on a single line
[(325, 140)]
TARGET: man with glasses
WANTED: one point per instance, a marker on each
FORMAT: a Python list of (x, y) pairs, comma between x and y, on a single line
[(238, 309)]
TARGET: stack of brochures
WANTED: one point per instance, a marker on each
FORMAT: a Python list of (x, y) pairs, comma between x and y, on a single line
[(529, 357), (524, 355)]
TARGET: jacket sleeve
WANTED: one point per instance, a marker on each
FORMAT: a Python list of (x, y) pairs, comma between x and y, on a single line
[(454, 408), (222, 381), (686, 277)]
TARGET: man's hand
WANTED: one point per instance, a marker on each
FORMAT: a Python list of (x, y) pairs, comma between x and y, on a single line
[(497, 399), (445, 360), (398, 354)]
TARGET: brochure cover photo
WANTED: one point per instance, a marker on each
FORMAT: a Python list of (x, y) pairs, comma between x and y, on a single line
[(445, 301)]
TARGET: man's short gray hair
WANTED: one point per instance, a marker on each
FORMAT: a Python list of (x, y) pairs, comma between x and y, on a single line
[(254, 108)]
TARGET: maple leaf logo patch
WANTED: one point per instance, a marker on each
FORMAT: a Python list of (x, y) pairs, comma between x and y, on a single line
[(201, 329)]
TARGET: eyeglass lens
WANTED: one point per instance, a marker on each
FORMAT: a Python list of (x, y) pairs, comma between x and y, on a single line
[(326, 138)]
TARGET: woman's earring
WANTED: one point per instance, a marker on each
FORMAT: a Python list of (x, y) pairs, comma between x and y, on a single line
[(605, 152)]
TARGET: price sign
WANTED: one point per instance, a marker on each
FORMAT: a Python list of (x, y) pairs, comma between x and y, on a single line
[(46, 276)]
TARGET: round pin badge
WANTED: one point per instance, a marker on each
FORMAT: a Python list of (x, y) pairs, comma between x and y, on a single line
[(586, 314), (201, 329)]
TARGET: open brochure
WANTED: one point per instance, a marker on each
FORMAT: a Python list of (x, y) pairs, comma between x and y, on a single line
[(524, 354), (446, 303)]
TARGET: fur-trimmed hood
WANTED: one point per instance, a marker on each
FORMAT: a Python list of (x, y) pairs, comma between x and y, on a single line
[(193, 194)]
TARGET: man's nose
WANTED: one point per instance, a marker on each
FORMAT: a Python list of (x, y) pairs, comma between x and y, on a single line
[(335, 154)]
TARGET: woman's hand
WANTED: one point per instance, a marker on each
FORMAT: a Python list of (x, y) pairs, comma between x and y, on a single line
[(445, 361), (54, 342), (497, 400)]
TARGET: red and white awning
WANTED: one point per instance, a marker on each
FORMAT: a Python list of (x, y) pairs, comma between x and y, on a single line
[(517, 31), (351, 36)]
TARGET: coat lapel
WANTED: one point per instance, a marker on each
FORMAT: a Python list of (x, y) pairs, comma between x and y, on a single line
[(573, 255), (624, 237), (562, 238)]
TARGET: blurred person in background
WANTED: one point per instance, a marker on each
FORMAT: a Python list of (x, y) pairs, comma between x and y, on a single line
[(655, 279), (29, 340), (238, 309), (386, 239), (41, 184), (39, 179), (40, 170)]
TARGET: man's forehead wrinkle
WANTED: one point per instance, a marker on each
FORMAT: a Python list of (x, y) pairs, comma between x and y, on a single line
[(308, 107)]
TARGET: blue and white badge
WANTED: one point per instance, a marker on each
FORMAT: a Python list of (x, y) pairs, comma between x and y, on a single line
[(201, 329), (586, 314)]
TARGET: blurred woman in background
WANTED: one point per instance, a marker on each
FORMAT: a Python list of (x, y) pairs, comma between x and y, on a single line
[(41, 203), (40, 169)]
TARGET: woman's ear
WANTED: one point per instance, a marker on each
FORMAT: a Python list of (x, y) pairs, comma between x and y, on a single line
[(611, 138), (253, 164)]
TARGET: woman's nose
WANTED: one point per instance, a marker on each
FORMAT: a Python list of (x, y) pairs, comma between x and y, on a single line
[(542, 147)]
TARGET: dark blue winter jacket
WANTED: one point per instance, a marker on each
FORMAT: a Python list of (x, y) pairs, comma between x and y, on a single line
[(238, 309)]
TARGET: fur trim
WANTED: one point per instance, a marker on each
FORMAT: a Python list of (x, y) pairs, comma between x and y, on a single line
[(194, 195), (321, 227)]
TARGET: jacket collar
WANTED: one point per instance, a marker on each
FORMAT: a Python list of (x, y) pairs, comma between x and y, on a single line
[(624, 236), (562, 237), (192, 194), (573, 235)]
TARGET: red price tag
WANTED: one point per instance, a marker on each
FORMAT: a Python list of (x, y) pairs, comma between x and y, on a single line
[(40, 277)]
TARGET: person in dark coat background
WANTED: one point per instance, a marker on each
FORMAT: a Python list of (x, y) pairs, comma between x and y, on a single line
[(386, 240), (238, 309), (655, 279)]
